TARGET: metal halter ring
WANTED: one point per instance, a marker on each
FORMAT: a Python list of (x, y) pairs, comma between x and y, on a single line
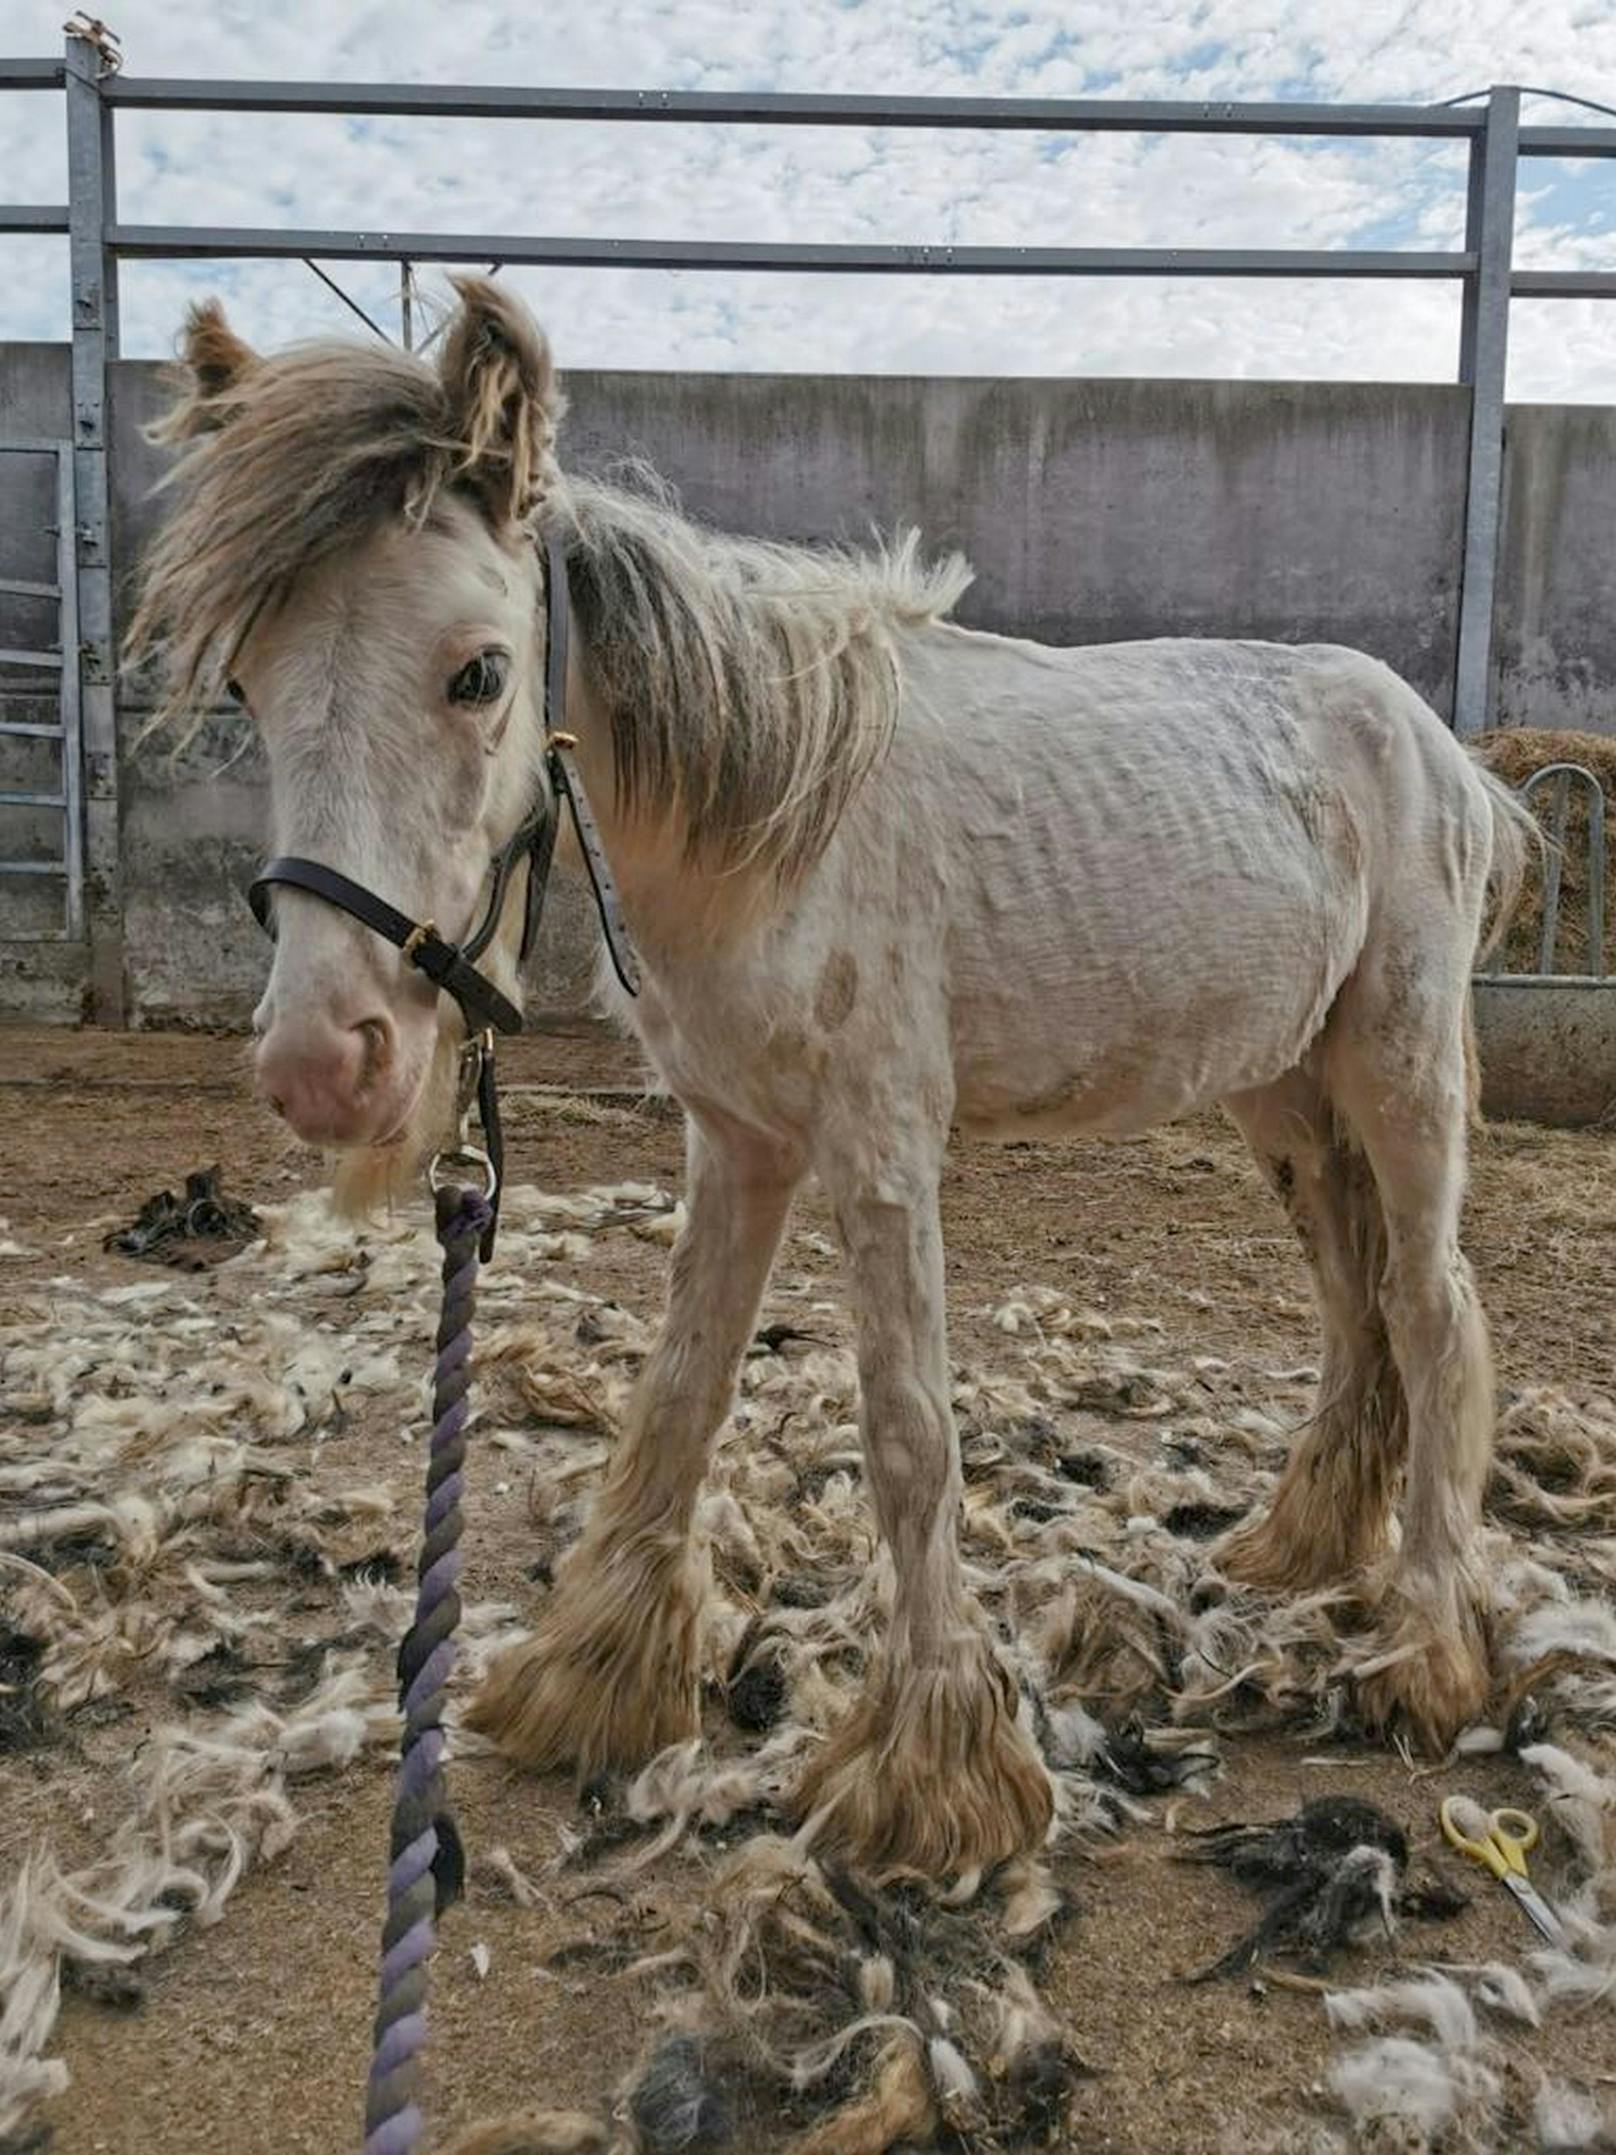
[(451, 1167)]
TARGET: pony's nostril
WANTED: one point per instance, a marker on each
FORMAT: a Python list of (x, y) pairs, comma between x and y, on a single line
[(376, 1041), (332, 1080)]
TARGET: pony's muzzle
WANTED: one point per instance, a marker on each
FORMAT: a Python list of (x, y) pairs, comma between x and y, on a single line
[(334, 1079)]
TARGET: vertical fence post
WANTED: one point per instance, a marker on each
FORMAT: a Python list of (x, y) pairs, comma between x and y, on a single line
[(94, 271), (1483, 355)]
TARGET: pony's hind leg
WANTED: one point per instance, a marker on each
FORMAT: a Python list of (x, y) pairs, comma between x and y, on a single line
[(1398, 1072), (611, 1675), (931, 1772), (1331, 1511)]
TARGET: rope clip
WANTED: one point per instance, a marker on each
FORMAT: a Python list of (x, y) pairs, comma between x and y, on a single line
[(452, 1162), (476, 1053)]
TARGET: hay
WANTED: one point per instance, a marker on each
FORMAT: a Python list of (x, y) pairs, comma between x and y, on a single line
[(1513, 755)]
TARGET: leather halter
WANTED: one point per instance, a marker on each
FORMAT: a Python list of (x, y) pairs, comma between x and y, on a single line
[(452, 967)]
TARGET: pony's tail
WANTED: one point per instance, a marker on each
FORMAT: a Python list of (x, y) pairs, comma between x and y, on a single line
[(1518, 840)]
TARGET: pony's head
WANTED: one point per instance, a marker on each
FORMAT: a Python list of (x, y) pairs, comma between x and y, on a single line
[(351, 556)]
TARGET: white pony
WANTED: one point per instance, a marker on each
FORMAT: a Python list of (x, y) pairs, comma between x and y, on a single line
[(887, 877)]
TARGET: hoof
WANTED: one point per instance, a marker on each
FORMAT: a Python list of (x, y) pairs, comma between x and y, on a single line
[(1427, 1676), (611, 1676), (931, 1775), (1295, 1548)]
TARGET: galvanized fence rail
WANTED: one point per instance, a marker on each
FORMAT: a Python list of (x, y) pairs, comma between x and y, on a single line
[(95, 90)]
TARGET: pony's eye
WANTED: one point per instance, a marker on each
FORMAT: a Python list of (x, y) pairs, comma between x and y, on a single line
[(232, 689), (482, 679)]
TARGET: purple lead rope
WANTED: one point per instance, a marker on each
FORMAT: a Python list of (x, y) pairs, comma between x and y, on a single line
[(427, 1864)]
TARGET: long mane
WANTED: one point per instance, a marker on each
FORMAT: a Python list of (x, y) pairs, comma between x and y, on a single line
[(749, 686)]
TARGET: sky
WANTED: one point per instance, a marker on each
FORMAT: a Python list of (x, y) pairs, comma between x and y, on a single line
[(855, 184)]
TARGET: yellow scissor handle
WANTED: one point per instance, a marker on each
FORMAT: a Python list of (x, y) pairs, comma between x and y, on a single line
[(1499, 1839)]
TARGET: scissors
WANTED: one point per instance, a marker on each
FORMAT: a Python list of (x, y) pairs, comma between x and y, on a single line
[(1499, 1841)]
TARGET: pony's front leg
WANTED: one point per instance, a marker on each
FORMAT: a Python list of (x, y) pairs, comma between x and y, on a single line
[(931, 1772), (611, 1675)]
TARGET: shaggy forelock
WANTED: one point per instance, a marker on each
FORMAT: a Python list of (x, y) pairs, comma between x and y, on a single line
[(315, 450)]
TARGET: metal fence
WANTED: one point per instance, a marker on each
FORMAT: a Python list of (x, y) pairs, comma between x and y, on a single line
[(95, 90), (1556, 781)]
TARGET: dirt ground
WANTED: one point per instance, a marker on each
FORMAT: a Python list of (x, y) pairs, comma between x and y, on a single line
[(253, 2035)]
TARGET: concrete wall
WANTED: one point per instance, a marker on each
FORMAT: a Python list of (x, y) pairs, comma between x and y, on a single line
[(1091, 510), (1555, 648)]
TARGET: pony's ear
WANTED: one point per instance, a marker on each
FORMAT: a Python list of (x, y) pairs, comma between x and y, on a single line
[(500, 382), (213, 365)]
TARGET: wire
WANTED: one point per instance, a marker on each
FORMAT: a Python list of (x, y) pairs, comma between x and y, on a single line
[(1536, 89), (352, 305)]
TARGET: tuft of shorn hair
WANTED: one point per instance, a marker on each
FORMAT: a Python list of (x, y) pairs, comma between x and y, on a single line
[(1421, 2091), (1334, 1871), (207, 1807), (676, 2104)]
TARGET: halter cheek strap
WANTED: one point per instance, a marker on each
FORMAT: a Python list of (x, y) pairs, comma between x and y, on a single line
[(565, 782)]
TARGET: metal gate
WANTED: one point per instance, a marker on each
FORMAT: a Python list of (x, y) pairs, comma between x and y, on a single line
[(41, 776), (1548, 1037)]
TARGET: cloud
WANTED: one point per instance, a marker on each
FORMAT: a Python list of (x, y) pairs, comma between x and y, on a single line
[(856, 184)]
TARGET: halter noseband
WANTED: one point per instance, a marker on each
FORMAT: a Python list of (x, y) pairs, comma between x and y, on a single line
[(452, 967)]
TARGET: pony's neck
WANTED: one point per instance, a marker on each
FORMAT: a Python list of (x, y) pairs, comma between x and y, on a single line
[(677, 910)]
